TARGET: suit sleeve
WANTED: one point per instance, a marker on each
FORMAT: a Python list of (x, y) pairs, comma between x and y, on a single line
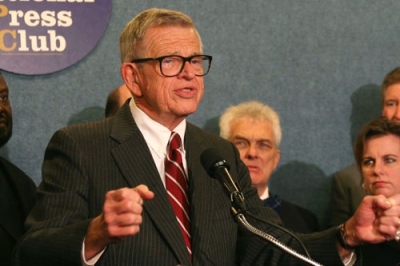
[(64, 185)]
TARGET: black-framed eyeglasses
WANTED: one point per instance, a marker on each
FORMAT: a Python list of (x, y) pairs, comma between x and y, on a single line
[(172, 65)]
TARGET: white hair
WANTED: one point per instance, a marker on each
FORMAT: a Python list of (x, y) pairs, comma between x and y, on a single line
[(254, 110)]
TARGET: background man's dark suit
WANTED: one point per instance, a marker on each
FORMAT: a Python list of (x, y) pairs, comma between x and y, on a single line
[(83, 162), (17, 197), (293, 216), (298, 219)]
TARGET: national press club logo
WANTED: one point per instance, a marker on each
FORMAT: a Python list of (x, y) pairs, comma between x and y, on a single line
[(45, 36)]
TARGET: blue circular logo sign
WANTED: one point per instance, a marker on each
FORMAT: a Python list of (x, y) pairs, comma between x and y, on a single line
[(45, 36)]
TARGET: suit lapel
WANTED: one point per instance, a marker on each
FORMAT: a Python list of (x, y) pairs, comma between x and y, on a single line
[(134, 159)]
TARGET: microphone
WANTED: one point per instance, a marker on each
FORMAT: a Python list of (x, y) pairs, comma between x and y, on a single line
[(218, 168)]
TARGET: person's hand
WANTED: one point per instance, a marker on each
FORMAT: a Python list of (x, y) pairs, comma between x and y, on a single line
[(390, 219), (121, 217), (376, 220)]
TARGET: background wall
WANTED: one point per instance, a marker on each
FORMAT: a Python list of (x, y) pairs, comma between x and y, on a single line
[(317, 63)]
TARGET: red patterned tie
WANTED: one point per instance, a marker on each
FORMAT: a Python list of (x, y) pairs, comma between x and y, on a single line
[(177, 186)]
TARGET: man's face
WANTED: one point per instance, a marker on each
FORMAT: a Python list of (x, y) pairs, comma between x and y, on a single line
[(168, 100), (391, 103), (256, 143), (5, 113)]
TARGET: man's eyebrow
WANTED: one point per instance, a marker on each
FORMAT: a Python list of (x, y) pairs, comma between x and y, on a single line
[(240, 137), (258, 140)]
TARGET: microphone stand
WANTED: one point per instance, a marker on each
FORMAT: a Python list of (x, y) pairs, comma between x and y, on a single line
[(238, 207)]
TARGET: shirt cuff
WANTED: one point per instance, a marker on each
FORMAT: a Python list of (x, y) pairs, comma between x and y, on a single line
[(93, 260), (350, 260)]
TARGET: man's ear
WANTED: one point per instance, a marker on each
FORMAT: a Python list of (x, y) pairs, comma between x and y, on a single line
[(277, 158), (130, 75)]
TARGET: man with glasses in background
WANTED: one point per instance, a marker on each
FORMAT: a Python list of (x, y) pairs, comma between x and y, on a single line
[(131, 190)]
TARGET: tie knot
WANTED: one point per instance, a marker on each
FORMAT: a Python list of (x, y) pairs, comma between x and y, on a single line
[(174, 141)]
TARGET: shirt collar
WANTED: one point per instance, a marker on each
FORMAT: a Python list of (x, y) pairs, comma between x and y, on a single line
[(265, 195), (155, 134)]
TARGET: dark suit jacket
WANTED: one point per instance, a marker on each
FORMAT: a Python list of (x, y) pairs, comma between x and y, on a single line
[(297, 218), (346, 195), (83, 162), (387, 254), (18, 186)]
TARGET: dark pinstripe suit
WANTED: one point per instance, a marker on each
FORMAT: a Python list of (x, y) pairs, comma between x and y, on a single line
[(83, 162)]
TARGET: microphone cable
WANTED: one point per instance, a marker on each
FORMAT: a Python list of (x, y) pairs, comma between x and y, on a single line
[(242, 220)]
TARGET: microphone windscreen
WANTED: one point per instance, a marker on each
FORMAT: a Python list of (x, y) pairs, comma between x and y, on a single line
[(211, 159)]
